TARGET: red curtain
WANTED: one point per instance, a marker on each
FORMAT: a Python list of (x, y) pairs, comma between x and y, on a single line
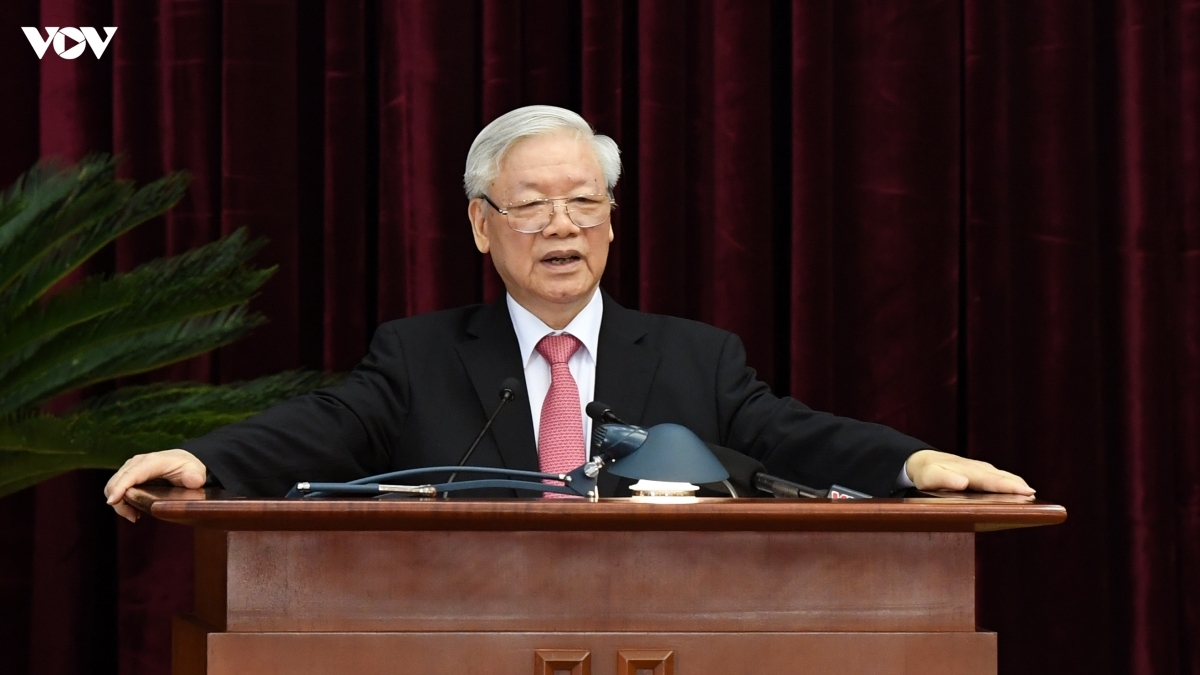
[(976, 221)]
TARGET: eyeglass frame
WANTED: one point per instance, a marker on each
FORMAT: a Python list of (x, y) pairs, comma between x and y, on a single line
[(566, 211)]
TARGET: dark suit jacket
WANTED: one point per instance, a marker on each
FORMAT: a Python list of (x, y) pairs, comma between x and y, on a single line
[(429, 383)]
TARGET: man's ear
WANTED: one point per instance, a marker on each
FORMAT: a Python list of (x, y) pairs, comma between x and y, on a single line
[(475, 212)]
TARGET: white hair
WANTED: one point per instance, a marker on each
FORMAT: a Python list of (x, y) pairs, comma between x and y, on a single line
[(483, 160)]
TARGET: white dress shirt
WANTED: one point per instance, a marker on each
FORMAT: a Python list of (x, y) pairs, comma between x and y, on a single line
[(586, 328)]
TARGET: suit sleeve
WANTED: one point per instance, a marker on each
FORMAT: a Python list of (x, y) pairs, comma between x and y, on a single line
[(798, 443), (334, 434)]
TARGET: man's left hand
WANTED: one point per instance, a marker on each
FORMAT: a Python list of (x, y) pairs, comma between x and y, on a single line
[(933, 470)]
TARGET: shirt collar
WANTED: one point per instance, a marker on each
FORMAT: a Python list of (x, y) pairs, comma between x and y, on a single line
[(530, 329)]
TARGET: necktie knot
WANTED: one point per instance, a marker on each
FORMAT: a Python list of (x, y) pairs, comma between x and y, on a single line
[(558, 348)]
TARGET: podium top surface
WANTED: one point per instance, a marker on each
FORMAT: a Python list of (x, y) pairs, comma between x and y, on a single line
[(947, 512)]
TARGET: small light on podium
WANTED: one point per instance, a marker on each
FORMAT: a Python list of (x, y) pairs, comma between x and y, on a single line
[(663, 492)]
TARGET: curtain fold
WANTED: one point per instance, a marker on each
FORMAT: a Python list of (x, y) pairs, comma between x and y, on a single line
[(978, 222), (349, 316), (72, 594), (1183, 21), (21, 78), (260, 158), (884, 239), (738, 269), (1146, 229), (666, 205), (1035, 355), (427, 121), (605, 30)]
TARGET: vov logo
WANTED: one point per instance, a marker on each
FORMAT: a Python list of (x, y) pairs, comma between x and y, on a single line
[(82, 37)]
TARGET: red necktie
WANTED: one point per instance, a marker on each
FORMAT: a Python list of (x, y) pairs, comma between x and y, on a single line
[(560, 431)]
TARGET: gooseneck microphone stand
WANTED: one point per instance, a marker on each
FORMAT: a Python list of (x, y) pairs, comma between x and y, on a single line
[(576, 483)]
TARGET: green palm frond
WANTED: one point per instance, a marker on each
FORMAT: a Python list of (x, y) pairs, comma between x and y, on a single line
[(70, 366), (41, 210), (162, 311), (60, 221), (53, 341), (105, 431)]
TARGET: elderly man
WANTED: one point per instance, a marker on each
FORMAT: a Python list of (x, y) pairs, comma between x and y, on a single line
[(540, 185)]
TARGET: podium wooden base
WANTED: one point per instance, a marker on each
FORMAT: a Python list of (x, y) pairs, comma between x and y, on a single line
[(560, 586), (731, 653)]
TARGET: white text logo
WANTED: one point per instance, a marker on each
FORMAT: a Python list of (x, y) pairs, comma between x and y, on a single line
[(80, 37)]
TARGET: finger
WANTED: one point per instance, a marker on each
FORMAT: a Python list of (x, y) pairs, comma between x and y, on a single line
[(193, 478), (1018, 480), (938, 476), (987, 479), (1002, 484), (136, 471), (126, 511), (116, 477), (114, 490)]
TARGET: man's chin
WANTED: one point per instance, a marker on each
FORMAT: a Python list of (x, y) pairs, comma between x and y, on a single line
[(565, 294)]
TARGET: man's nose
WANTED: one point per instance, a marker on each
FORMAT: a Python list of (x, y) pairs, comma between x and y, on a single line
[(560, 222)]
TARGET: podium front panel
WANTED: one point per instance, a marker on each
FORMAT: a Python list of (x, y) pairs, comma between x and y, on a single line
[(589, 581), (559, 586)]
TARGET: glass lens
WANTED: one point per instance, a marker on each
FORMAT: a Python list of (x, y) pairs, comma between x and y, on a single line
[(588, 211), (583, 210)]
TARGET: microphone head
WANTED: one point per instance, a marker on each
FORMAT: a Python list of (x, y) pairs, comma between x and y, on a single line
[(509, 388), (616, 441), (596, 410), (602, 414)]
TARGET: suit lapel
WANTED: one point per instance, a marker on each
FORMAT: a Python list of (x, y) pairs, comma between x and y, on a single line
[(490, 357), (625, 369)]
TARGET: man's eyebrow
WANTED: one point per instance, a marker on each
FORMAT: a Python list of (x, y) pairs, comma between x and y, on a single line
[(523, 185)]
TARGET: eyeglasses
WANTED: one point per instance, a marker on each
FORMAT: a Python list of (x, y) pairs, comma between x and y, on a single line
[(535, 215)]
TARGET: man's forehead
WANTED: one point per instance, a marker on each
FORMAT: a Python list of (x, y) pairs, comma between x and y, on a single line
[(550, 148), (570, 180), (549, 163)]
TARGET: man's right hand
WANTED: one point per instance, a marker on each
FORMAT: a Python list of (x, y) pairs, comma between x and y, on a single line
[(180, 467)]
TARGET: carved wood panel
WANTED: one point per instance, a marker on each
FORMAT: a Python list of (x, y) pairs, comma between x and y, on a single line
[(645, 662), (506, 581), (508, 653), (562, 662)]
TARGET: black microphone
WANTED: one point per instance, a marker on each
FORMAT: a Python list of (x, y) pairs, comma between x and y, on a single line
[(508, 391), (617, 441), (612, 442), (602, 414), (745, 471)]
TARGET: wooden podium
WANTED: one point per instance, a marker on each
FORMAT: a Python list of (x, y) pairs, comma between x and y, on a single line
[(552, 587)]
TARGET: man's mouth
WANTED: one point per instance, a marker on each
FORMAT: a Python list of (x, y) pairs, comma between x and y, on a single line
[(558, 258)]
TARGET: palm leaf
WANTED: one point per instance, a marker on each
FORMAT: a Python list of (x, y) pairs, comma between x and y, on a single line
[(31, 203), (87, 300), (76, 366), (144, 405), (162, 300), (105, 431), (55, 341), (91, 221), (50, 207)]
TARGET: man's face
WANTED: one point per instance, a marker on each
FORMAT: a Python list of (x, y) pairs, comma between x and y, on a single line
[(557, 269)]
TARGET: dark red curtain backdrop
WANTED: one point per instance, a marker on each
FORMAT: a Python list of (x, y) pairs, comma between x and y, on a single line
[(976, 221)]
